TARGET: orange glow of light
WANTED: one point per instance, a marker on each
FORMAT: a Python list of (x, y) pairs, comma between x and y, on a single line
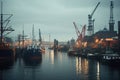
[(21, 43), (109, 39), (97, 40), (52, 56), (78, 44), (85, 44), (101, 40)]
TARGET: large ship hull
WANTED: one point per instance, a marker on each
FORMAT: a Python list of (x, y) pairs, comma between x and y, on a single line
[(6, 52), (32, 57), (32, 54)]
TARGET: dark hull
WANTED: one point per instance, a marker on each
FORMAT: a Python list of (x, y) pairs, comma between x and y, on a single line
[(32, 57), (6, 54), (110, 59), (111, 62), (32, 60), (32, 54), (72, 53), (6, 58)]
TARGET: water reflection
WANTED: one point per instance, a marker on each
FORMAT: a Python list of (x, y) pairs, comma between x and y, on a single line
[(93, 70), (32, 62), (30, 73), (57, 66), (5, 65), (87, 69), (51, 55), (61, 56), (98, 71), (81, 65)]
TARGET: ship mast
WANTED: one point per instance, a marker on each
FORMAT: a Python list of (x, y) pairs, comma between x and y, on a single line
[(33, 36), (4, 24), (1, 28), (40, 38)]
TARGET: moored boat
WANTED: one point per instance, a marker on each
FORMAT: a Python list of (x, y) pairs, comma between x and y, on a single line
[(72, 51), (6, 52), (32, 52)]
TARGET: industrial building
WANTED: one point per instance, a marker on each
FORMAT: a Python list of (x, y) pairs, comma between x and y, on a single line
[(104, 38)]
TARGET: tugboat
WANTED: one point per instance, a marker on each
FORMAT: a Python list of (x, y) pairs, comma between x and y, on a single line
[(6, 52), (33, 51), (72, 51), (32, 55)]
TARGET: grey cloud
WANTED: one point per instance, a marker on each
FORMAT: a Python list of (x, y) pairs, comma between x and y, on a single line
[(58, 15)]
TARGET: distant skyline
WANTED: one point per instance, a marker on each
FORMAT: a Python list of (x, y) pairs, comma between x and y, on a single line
[(55, 17)]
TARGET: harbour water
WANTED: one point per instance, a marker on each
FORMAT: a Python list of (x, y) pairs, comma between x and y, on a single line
[(58, 66)]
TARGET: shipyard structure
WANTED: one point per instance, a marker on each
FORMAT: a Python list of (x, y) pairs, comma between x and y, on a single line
[(106, 38), (102, 45)]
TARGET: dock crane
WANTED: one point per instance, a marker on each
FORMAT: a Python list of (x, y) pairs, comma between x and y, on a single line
[(111, 21), (80, 35), (76, 29), (4, 28), (91, 22)]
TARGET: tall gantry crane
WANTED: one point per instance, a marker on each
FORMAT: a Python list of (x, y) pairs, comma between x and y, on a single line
[(111, 21), (91, 21)]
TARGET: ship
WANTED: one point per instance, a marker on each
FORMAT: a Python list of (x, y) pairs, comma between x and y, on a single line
[(6, 51), (72, 51), (32, 51)]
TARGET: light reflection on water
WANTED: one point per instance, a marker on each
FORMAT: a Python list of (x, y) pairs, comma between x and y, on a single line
[(51, 54), (98, 71), (58, 66), (81, 65)]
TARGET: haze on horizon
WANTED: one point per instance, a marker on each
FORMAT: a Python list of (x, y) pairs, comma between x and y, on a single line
[(55, 17)]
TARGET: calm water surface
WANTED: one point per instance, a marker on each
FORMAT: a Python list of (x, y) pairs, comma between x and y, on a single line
[(58, 66)]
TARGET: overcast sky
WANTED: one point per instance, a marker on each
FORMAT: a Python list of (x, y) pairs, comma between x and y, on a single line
[(55, 17)]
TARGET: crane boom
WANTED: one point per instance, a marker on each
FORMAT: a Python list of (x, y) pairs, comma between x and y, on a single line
[(83, 31), (95, 9), (91, 22), (76, 29), (81, 36)]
